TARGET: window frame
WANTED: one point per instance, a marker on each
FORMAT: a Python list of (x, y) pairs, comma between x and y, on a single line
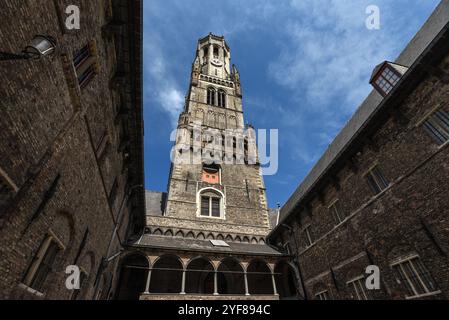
[(36, 263), (374, 181), (353, 285), (400, 279), (221, 98), (85, 64), (310, 241), (434, 126), (211, 96), (380, 75), (219, 195), (323, 294), (335, 210)]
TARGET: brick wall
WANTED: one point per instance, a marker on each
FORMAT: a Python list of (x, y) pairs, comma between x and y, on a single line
[(50, 127), (410, 217)]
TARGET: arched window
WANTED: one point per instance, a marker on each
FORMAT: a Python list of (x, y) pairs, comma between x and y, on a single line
[(222, 98), (211, 96), (216, 52), (211, 204), (259, 278)]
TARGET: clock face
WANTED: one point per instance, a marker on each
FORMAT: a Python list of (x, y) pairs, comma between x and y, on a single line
[(217, 62)]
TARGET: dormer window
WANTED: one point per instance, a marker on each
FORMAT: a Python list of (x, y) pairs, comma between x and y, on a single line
[(386, 76)]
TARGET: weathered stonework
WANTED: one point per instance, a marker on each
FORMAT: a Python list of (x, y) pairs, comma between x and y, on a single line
[(180, 255), (60, 146)]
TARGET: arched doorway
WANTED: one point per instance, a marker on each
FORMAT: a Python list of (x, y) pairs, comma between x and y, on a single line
[(260, 280), (285, 280), (231, 279), (166, 275), (200, 277), (133, 275)]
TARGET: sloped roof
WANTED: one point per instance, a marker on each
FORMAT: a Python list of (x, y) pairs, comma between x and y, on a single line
[(186, 244)]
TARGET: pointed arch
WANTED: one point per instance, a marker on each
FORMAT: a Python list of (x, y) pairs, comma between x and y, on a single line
[(229, 238), (200, 236), (157, 232), (190, 235), (246, 239), (259, 277), (166, 275), (168, 233), (221, 98), (200, 276), (230, 277), (211, 96), (180, 234), (210, 236), (220, 237), (254, 240)]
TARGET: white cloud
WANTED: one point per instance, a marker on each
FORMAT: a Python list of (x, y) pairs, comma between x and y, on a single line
[(330, 53), (161, 86)]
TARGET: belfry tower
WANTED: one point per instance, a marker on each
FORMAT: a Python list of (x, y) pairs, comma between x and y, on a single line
[(205, 237)]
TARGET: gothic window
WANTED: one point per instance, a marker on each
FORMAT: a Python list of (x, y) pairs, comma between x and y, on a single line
[(43, 263), (85, 63), (377, 180), (211, 203), (437, 125), (211, 174), (359, 289), (216, 54), (211, 92), (414, 277), (222, 98)]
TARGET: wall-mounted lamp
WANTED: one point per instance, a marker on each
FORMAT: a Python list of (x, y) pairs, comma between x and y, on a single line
[(40, 46)]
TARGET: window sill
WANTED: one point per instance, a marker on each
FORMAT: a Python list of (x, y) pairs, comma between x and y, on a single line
[(212, 218), (424, 295), (31, 290), (443, 145)]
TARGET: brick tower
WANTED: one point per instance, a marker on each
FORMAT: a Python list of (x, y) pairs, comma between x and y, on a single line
[(205, 238)]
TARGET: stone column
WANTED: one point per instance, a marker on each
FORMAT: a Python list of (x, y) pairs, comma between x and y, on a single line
[(183, 285), (215, 283), (147, 286), (245, 274), (274, 284)]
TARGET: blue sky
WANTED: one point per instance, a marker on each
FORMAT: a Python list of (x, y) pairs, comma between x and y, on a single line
[(304, 65)]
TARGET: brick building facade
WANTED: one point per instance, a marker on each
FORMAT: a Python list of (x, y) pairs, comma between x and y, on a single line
[(71, 169), (378, 196)]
